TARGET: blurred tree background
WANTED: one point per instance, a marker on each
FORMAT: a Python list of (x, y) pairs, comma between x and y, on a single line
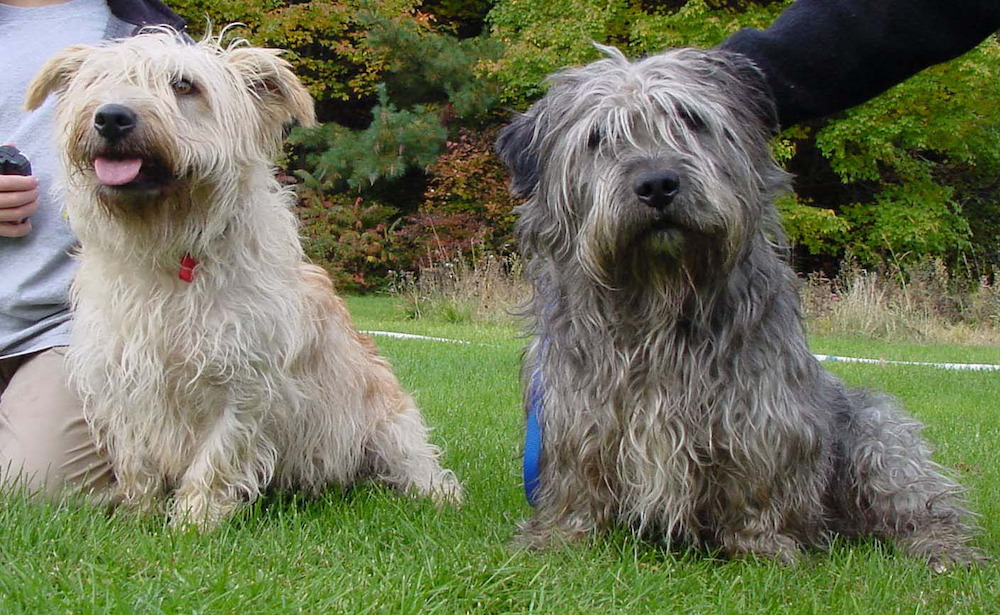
[(410, 94)]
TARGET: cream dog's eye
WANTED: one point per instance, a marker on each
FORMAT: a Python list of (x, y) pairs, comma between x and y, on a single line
[(183, 87)]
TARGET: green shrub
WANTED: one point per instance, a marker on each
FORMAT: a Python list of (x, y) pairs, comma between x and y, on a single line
[(350, 238), (469, 180)]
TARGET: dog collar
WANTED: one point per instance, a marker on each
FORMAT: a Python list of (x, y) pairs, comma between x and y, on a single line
[(533, 437), (187, 268)]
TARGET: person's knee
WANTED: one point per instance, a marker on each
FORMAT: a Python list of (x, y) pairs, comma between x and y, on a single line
[(45, 444)]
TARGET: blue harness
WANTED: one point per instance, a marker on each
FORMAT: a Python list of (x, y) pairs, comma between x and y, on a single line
[(533, 436)]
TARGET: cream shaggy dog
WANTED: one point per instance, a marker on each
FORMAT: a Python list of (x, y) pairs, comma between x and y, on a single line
[(211, 359)]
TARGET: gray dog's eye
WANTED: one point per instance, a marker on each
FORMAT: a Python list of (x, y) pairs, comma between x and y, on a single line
[(693, 121), (595, 137), (183, 87)]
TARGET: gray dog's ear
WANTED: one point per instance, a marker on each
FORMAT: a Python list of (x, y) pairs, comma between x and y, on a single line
[(55, 75), (757, 100), (517, 148)]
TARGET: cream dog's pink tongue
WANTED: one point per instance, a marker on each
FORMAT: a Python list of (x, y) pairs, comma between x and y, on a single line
[(117, 171)]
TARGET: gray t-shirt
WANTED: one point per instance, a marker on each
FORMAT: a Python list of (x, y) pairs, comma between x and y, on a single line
[(36, 270)]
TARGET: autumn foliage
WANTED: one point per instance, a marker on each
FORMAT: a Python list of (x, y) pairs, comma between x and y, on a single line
[(411, 93)]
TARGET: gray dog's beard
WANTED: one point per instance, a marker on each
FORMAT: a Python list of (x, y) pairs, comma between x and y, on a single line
[(669, 243), (668, 259)]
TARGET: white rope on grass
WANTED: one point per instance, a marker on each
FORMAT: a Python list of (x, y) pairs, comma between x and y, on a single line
[(413, 336), (976, 367)]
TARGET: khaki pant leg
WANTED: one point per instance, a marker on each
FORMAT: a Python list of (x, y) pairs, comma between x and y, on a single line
[(45, 444)]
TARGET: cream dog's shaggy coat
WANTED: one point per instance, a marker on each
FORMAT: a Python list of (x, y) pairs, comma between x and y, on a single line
[(212, 361)]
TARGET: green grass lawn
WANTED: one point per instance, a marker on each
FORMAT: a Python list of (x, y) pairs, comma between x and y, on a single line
[(368, 550)]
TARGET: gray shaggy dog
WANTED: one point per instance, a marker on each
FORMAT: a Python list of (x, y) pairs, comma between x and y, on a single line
[(679, 396)]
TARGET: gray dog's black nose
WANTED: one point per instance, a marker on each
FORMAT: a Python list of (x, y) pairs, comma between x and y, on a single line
[(114, 121), (657, 188)]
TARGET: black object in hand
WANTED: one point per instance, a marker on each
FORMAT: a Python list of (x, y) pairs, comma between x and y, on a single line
[(13, 162)]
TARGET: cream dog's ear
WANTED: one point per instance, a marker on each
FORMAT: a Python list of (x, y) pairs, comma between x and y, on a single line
[(282, 96), (55, 75)]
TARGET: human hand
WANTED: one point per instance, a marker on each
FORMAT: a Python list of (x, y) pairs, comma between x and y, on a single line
[(18, 194), (18, 202)]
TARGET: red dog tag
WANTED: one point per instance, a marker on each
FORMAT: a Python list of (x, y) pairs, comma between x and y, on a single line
[(187, 268)]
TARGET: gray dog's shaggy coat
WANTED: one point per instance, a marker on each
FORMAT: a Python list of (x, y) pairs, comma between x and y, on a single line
[(680, 397)]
